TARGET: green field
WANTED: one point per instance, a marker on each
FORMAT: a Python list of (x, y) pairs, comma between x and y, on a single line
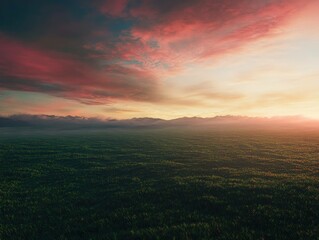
[(159, 184)]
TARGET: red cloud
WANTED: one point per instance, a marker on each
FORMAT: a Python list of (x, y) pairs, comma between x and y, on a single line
[(27, 68), (169, 34), (114, 7)]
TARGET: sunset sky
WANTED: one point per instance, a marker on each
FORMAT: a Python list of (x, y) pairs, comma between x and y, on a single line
[(159, 58)]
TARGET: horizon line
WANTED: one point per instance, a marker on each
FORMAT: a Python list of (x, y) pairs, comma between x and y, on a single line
[(299, 117)]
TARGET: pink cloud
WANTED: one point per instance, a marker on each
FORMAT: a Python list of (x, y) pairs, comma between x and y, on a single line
[(170, 34), (27, 68), (114, 7)]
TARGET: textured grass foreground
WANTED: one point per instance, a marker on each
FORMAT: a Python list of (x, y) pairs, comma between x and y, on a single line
[(159, 184)]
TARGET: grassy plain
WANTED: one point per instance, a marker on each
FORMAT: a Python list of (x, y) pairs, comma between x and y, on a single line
[(159, 184)]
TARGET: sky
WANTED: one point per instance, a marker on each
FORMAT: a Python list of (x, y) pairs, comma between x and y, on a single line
[(159, 58)]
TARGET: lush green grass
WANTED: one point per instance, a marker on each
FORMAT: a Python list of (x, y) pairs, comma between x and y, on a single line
[(159, 184)]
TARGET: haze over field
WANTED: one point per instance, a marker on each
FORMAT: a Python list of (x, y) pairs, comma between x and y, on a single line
[(158, 58), (222, 122)]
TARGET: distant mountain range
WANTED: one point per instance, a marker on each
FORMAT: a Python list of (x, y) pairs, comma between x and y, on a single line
[(15, 121)]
